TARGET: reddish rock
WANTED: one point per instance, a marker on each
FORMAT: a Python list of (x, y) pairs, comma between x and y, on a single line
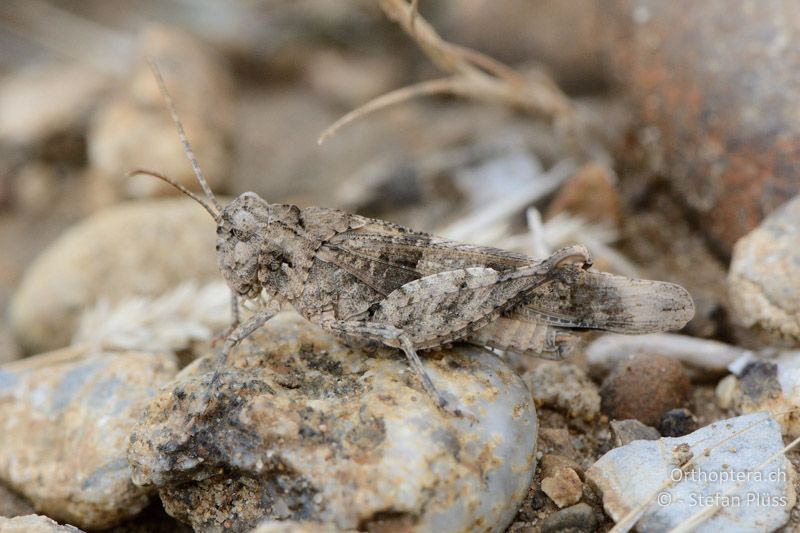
[(715, 87), (644, 387)]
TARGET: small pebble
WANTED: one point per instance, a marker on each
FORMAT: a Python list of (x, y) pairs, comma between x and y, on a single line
[(763, 278), (766, 385), (644, 387), (550, 463), (556, 440), (579, 518), (564, 387), (564, 487), (34, 524), (295, 526), (677, 423), (626, 431)]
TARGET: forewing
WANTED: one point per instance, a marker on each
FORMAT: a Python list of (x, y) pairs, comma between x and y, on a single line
[(386, 256), (583, 299), (448, 305)]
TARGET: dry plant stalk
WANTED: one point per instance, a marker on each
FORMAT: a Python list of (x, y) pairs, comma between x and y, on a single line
[(472, 75)]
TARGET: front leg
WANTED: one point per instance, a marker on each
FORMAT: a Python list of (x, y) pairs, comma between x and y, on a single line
[(234, 321), (241, 332), (396, 338), (234, 312)]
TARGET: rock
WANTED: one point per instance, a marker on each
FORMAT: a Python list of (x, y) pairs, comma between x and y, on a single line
[(12, 504), (590, 194), (302, 428), (763, 277), (766, 385), (34, 524), (677, 423), (725, 391), (723, 130), (733, 468), (576, 519), (703, 359), (295, 526), (551, 463), (67, 416), (564, 487), (134, 130), (42, 101), (626, 431), (135, 249), (556, 440), (564, 387), (644, 387)]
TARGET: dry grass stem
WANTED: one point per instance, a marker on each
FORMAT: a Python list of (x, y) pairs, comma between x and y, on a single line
[(472, 75), (474, 227)]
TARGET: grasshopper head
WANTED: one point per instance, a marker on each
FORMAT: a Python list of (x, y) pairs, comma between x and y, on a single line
[(257, 245), (240, 235)]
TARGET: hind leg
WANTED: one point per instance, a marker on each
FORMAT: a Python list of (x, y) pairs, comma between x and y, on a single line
[(396, 338)]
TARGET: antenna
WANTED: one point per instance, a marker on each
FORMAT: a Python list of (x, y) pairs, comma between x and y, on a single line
[(187, 148), (175, 184)]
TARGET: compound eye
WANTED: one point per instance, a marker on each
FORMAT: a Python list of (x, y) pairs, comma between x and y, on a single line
[(240, 235)]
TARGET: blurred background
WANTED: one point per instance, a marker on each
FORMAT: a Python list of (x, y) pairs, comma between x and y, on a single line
[(672, 128)]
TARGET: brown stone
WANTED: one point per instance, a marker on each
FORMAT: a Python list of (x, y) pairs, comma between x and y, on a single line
[(550, 463), (644, 387), (564, 487)]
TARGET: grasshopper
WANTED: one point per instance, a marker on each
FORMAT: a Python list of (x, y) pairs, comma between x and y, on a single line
[(373, 283)]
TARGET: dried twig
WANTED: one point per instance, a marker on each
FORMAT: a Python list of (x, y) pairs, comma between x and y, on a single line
[(478, 226), (707, 355), (472, 75)]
